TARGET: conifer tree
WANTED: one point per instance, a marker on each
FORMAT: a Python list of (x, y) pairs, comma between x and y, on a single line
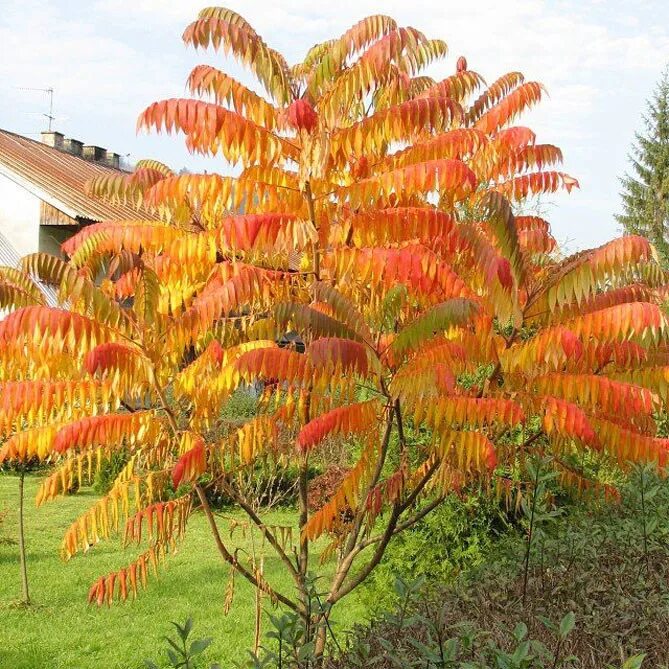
[(645, 193)]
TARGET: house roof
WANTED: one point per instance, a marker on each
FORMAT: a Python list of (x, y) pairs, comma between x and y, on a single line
[(8, 255), (59, 179)]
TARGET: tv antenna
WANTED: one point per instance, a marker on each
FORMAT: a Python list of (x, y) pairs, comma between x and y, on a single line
[(49, 91)]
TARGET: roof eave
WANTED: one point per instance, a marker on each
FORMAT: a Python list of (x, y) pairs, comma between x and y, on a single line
[(39, 192)]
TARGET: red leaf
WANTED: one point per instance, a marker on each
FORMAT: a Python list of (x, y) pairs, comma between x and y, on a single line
[(360, 168), (215, 350), (504, 273), (445, 379), (349, 419), (491, 458), (109, 356), (571, 345), (301, 116), (190, 465)]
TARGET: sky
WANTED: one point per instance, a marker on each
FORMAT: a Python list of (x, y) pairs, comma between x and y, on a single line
[(109, 59)]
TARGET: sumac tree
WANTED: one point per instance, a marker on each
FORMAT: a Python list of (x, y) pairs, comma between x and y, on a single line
[(372, 214)]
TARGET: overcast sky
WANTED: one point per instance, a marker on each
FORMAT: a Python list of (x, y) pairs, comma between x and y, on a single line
[(108, 59)]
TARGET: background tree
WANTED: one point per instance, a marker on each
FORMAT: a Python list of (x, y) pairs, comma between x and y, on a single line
[(645, 193), (21, 468), (373, 217)]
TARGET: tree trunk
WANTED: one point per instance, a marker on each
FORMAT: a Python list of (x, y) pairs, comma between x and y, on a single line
[(319, 646), (22, 543)]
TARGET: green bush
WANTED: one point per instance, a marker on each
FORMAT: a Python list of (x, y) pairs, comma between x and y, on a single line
[(266, 485), (109, 470), (457, 536), (607, 564), (242, 405)]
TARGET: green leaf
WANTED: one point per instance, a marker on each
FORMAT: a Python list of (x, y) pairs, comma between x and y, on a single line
[(520, 631), (548, 623), (567, 624), (452, 313), (188, 626), (200, 645), (306, 320), (391, 306), (521, 652), (651, 492), (173, 657), (173, 644), (306, 652), (634, 662)]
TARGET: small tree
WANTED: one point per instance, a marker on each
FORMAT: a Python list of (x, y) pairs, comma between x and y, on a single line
[(373, 217), (645, 194), (21, 468), (23, 558)]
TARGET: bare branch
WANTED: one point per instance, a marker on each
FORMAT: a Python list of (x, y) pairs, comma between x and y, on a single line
[(265, 531), (234, 562)]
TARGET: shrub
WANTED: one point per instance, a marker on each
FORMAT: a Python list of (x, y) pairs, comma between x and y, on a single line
[(593, 563), (264, 486), (109, 470), (456, 537), (182, 651)]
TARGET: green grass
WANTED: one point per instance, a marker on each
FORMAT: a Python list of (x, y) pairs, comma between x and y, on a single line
[(60, 631)]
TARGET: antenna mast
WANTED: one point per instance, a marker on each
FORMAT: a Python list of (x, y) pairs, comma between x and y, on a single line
[(49, 91)]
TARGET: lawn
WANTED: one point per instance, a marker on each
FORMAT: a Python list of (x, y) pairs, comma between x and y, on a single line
[(60, 631)]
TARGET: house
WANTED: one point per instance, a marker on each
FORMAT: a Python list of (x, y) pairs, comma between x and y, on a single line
[(43, 199)]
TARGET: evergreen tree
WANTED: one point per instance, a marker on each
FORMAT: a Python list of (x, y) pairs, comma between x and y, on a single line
[(645, 193)]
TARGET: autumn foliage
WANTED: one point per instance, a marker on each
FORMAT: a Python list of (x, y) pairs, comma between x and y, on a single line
[(377, 213)]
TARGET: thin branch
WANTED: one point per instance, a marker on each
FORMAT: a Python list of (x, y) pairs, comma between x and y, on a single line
[(265, 531), (392, 528), (303, 489), (497, 371), (370, 388), (406, 524), (354, 550), (168, 410), (420, 485), (530, 440), (357, 522), (400, 425), (312, 215), (349, 552), (344, 590), (234, 562)]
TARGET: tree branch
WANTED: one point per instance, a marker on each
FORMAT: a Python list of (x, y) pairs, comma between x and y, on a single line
[(406, 524), (349, 553), (257, 521), (312, 215), (420, 485), (234, 562), (357, 522), (344, 590), (339, 590)]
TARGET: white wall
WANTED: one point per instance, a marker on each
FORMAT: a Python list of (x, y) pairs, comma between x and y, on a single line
[(19, 217)]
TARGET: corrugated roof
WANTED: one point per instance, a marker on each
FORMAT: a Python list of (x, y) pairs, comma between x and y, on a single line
[(9, 257), (8, 254), (59, 178)]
